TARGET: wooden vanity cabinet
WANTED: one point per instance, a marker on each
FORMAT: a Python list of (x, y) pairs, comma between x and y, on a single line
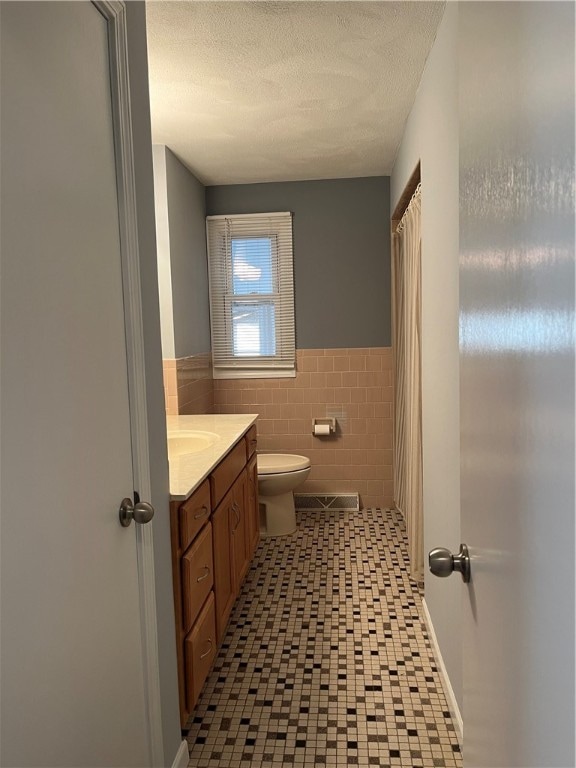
[(251, 442), (224, 588), (231, 558), (252, 508), (214, 534), (193, 514), (227, 471), (200, 649), (186, 520), (197, 576), (238, 537)]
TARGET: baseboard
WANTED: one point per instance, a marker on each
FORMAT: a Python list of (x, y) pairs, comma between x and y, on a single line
[(182, 756), (448, 691)]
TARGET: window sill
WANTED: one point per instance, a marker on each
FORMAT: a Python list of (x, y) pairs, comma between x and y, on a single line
[(253, 373)]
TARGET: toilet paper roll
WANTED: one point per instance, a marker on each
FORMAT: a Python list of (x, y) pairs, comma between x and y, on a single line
[(321, 429)]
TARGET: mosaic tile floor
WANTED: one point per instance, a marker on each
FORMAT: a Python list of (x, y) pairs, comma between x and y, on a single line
[(326, 660)]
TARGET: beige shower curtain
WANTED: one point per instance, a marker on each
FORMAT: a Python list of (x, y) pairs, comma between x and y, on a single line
[(406, 322)]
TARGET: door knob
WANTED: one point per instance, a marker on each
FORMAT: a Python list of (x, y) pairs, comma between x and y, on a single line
[(442, 562), (141, 512)]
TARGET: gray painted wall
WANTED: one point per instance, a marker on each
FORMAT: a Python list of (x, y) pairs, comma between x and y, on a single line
[(341, 254), (187, 231), (431, 136), (136, 23), (180, 203)]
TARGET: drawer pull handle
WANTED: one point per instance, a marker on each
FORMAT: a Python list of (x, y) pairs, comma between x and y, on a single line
[(204, 509), (203, 655), (253, 441), (205, 576)]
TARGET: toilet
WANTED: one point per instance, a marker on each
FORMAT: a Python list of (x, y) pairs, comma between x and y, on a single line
[(278, 475)]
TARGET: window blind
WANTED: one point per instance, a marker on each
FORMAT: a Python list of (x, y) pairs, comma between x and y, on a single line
[(251, 278)]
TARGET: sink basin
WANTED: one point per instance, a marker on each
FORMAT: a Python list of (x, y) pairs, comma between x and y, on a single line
[(191, 441)]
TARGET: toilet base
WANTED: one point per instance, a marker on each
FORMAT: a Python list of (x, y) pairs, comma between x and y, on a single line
[(277, 515)]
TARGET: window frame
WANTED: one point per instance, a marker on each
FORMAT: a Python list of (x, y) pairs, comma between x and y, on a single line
[(226, 229)]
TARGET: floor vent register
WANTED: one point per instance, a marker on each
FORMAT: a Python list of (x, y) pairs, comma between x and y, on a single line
[(313, 502)]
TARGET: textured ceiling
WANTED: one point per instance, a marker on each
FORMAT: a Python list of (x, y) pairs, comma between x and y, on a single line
[(278, 91)]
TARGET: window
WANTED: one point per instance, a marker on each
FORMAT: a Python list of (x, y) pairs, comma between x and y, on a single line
[(250, 268)]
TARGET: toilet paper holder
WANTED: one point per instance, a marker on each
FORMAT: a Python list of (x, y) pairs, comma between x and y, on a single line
[(323, 426)]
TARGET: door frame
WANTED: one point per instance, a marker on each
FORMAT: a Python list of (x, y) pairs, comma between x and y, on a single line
[(114, 11)]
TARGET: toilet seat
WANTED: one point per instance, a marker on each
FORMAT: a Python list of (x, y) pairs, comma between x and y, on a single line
[(277, 463)]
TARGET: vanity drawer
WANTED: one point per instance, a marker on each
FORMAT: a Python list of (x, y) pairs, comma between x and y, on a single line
[(226, 472), (193, 513), (199, 651), (197, 576), (251, 441)]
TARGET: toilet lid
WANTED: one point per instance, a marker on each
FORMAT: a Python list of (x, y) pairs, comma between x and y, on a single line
[(272, 463)]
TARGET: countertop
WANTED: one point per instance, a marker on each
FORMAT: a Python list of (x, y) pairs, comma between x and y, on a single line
[(188, 471)]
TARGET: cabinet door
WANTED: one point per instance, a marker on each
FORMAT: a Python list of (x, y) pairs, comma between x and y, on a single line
[(252, 510), (223, 577), (238, 531)]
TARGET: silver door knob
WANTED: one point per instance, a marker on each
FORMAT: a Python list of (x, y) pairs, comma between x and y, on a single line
[(442, 562), (141, 513)]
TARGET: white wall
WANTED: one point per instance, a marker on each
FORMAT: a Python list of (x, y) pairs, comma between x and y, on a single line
[(431, 136)]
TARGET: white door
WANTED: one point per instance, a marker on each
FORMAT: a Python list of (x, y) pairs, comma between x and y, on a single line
[(72, 660), (517, 381)]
